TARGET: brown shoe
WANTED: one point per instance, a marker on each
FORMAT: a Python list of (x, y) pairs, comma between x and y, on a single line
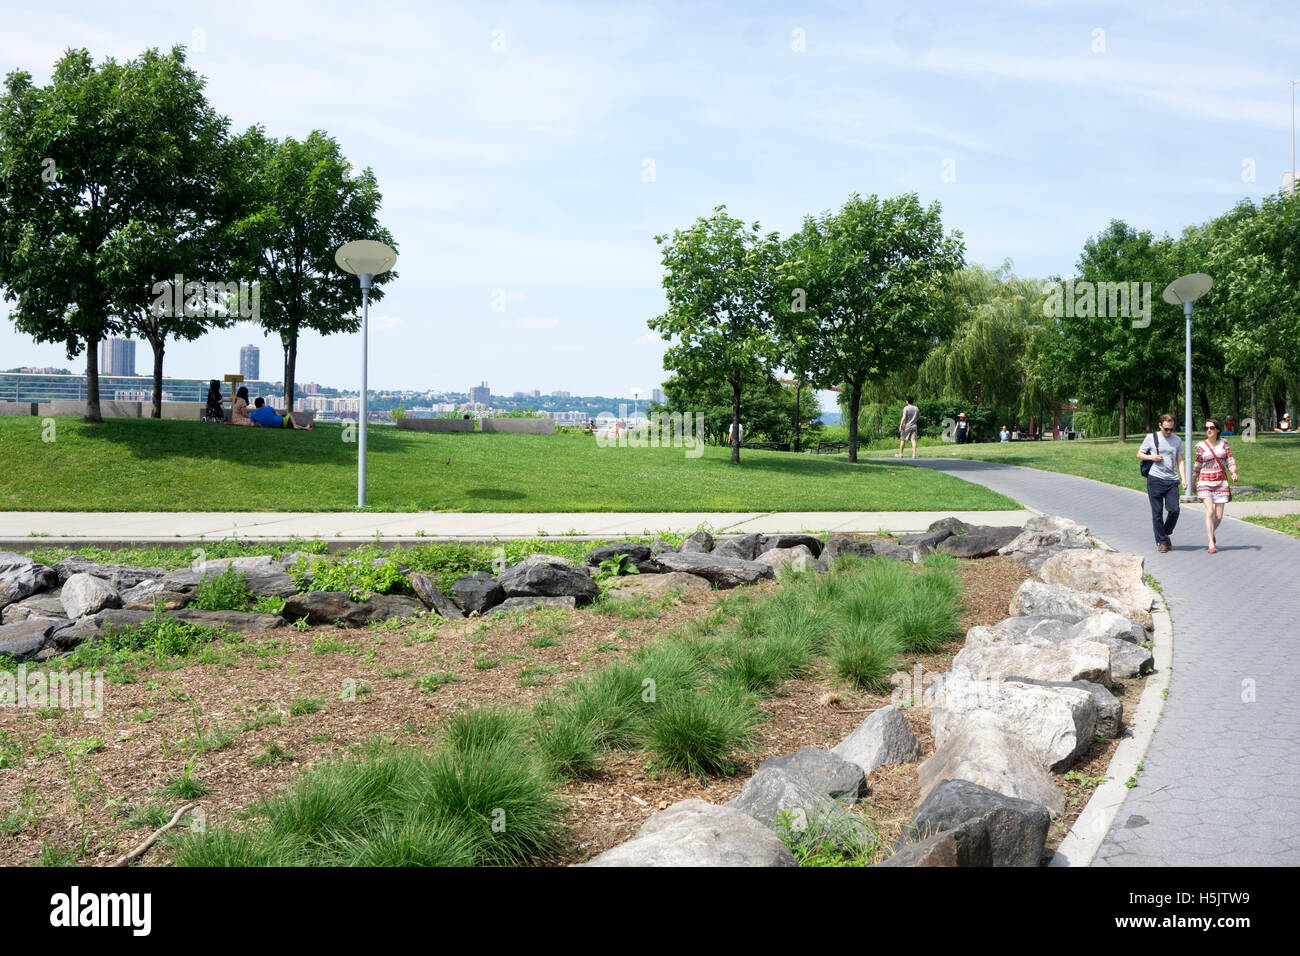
[(1163, 546)]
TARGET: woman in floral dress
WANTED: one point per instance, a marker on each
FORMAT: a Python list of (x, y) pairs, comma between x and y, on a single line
[(1212, 463)]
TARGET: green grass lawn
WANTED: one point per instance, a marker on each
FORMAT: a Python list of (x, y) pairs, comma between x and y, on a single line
[(1287, 524), (1271, 464), (169, 465)]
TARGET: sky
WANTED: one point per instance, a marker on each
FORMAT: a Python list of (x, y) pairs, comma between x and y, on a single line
[(529, 153)]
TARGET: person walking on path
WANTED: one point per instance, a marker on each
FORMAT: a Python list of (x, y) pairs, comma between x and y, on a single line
[(963, 429), (1210, 467), (907, 427), (1164, 450)]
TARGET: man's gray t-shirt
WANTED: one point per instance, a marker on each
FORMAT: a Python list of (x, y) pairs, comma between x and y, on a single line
[(910, 414), (1170, 448)]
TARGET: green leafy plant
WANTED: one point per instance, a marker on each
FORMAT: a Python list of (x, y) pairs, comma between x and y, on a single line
[(616, 566), (227, 591)]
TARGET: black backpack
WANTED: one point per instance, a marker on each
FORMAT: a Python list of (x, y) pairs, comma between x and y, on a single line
[(1145, 466)]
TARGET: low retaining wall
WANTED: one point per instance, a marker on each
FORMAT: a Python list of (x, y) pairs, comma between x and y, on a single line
[(67, 408), (519, 426), (17, 408), (436, 424)]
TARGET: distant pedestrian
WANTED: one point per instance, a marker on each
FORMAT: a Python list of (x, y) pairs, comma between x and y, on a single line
[(963, 429), (1210, 467), (735, 431), (1164, 450), (908, 426), (1004, 435)]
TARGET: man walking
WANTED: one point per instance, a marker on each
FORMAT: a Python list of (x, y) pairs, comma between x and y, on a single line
[(1164, 450), (907, 427)]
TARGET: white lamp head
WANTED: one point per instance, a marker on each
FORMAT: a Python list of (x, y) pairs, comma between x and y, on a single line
[(365, 257), (1187, 288)]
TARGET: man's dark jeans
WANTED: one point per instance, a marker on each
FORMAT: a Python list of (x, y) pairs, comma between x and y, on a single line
[(1163, 494)]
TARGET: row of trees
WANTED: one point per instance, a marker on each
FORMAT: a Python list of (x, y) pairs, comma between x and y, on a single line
[(117, 179), (854, 297)]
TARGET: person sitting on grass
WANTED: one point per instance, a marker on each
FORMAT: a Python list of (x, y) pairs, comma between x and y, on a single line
[(213, 412), (267, 417), (239, 408)]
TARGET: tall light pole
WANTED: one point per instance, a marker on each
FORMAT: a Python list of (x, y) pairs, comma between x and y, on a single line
[(1184, 291), (365, 259), (1290, 176), (636, 402)]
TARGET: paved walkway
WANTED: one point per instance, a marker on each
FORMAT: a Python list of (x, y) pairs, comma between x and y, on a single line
[(1221, 779)]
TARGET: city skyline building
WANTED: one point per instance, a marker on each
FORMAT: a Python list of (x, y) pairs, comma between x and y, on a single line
[(117, 357), (250, 361)]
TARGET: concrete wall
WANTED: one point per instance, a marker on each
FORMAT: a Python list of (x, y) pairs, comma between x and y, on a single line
[(520, 426), (436, 424), (65, 408), (17, 408), (191, 410)]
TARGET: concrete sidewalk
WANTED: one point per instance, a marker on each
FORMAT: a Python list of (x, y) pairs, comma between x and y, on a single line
[(26, 529)]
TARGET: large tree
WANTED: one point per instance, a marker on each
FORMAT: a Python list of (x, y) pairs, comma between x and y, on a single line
[(77, 168), (302, 201), (872, 277), (719, 278)]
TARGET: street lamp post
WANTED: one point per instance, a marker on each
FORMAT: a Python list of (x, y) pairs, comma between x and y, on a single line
[(365, 259), (1291, 171), (1184, 291)]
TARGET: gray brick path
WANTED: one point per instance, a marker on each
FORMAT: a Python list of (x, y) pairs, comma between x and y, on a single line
[(1221, 784)]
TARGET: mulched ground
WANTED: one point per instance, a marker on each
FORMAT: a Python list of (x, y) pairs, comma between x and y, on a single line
[(313, 694)]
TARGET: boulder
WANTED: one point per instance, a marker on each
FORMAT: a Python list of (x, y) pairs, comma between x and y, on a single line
[(660, 546), (23, 640), (1108, 624), (1110, 712), (782, 558), (926, 542), (265, 579), (1028, 629), (695, 833), (983, 752), (972, 545), (951, 525), (83, 594), (698, 542), (883, 738), (895, 552), (1115, 574), (329, 607), (636, 552), (722, 571), (823, 771), (780, 800), (247, 563), (1126, 658), (143, 596), (632, 586), (44, 605), (1054, 600), (839, 544), (524, 603), (121, 577), (809, 541), (745, 547), (1042, 660), (477, 592), (21, 577), (547, 578), (1028, 542), (1017, 828), (239, 621), (1052, 523), (1057, 722), (427, 590), (967, 844)]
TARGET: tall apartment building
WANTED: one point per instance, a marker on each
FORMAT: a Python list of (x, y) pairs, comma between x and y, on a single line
[(481, 394), (250, 361), (117, 357), (657, 395)]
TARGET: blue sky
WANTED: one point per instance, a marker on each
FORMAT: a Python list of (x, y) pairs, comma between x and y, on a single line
[(524, 168)]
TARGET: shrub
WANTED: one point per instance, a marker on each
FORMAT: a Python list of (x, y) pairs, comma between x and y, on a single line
[(866, 654), (698, 733), (484, 726), (226, 591), (568, 741)]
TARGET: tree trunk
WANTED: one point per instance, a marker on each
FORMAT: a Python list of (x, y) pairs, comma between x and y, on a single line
[(290, 365), (1236, 400), (1254, 421), (797, 386), (92, 382), (855, 404), (1123, 420), (158, 346), (1149, 401), (1205, 402), (735, 423)]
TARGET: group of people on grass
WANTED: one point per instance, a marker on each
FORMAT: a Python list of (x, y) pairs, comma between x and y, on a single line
[(261, 415)]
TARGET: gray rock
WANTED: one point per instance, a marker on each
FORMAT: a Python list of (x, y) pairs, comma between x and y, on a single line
[(781, 558), (610, 552), (1050, 523), (548, 579), (21, 577), (952, 526), (44, 605), (1110, 712), (895, 552), (22, 641), (925, 542), (722, 571), (631, 586), (973, 545), (809, 541), (427, 590), (695, 833), (967, 844), (1028, 542), (745, 547), (778, 799), (1042, 660), (698, 542), (839, 544), (261, 580), (524, 603), (121, 577), (239, 621), (84, 594), (329, 607), (144, 595), (1017, 828), (1031, 628), (477, 592), (1035, 597), (1108, 624), (982, 752), (883, 738), (660, 546), (822, 770), (1126, 658)]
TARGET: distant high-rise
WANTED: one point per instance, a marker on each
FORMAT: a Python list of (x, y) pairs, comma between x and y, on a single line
[(481, 394), (560, 394), (657, 395), (250, 362), (117, 357)]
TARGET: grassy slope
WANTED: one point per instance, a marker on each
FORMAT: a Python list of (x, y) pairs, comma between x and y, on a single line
[(147, 465), (1270, 464)]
